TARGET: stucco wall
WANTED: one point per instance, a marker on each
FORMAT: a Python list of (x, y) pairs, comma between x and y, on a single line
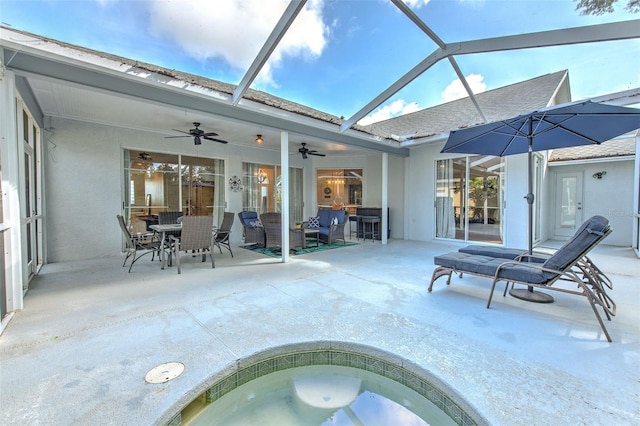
[(84, 181), (611, 196)]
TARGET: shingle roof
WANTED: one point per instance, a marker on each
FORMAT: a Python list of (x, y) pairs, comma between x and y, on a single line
[(497, 104), (206, 83), (613, 148)]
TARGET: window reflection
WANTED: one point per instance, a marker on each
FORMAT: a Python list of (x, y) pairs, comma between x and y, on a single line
[(339, 188), (160, 182), (469, 194)]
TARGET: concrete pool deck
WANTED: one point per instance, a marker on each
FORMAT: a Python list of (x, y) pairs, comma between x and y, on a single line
[(78, 352)]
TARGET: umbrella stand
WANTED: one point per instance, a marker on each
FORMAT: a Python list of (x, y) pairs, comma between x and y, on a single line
[(521, 293)]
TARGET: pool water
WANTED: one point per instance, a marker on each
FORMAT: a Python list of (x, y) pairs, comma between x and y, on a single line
[(321, 395)]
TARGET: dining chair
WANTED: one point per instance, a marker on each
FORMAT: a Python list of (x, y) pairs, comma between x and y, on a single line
[(222, 234), (137, 246), (197, 234)]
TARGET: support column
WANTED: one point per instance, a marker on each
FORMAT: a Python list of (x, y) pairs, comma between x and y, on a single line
[(384, 225), (284, 193), (11, 159)]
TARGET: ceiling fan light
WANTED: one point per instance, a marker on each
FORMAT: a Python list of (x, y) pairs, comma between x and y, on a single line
[(197, 141), (259, 139)]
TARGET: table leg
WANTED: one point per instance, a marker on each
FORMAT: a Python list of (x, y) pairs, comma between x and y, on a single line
[(164, 233)]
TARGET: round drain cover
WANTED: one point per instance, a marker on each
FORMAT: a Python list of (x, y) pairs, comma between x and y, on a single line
[(164, 372)]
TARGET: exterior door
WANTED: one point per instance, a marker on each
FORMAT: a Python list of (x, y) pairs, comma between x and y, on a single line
[(32, 218), (568, 203)]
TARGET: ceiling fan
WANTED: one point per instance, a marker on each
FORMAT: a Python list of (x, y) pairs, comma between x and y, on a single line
[(198, 135), (144, 156), (306, 151)]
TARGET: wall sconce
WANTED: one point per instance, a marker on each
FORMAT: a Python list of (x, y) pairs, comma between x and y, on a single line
[(599, 175), (259, 139)]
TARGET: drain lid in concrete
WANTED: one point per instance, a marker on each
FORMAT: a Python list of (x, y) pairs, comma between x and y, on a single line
[(164, 372)]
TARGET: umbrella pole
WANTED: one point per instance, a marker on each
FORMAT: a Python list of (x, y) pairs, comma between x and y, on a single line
[(520, 293)]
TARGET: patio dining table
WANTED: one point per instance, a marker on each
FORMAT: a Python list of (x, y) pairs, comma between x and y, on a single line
[(163, 229)]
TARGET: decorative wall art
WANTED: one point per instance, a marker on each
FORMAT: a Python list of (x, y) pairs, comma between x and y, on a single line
[(235, 184)]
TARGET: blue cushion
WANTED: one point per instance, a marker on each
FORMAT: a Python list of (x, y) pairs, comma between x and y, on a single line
[(578, 245), (340, 214), (487, 266), (248, 217), (325, 218)]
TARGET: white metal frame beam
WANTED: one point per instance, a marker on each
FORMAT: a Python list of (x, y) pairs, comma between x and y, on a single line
[(579, 35), (269, 46)]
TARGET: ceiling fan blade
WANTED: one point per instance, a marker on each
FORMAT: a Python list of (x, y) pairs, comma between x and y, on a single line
[(171, 137), (209, 134), (214, 139), (316, 153), (182, 131)]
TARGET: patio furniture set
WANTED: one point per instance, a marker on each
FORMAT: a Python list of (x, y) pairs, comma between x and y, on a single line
[(265, 230), (176, 233)]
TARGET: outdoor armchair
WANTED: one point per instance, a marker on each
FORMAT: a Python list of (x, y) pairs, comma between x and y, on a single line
[(252, 228), (273, 231)]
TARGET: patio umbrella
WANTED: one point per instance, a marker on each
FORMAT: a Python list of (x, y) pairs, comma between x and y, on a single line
[(561, 126)]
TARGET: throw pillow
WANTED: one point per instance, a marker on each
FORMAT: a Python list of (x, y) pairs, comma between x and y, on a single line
[(314, 222), (334, 221), (257, 224)]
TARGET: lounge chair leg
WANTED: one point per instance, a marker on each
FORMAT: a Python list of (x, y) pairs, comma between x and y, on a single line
[(439, 272), (493, 286)]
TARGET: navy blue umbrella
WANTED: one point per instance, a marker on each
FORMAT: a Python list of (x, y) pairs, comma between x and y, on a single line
[(561, 126)]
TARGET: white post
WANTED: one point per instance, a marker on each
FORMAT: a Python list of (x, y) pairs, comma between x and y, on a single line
[(384, 225), (284, 193), (15, 276)]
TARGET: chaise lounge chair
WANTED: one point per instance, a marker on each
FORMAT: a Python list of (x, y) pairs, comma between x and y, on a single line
[(563, 265)]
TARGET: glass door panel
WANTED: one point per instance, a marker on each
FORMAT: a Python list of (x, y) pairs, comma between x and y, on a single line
[(569, 203), (485, 191), (469, 194)]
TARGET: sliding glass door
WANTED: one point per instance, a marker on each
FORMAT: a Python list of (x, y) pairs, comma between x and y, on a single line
[(469, 194), (262, 190), (158, 182)]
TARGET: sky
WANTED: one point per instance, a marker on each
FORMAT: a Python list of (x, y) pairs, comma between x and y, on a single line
[(339, 54)]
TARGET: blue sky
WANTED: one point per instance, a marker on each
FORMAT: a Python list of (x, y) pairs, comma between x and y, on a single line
[(339, 54)]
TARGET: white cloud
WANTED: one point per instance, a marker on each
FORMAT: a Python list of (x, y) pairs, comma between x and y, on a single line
[(455, 90), (394, 109), (236, 30), (413, 4)]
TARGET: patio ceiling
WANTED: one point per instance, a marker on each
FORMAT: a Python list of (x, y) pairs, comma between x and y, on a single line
[(92, 89)]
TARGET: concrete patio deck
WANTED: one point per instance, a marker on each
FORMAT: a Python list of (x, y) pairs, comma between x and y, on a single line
[(79, 351)]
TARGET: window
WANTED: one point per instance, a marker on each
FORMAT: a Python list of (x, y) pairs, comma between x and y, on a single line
[(339, 188), (469, 194)]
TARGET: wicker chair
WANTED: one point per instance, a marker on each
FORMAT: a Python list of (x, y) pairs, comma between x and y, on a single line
[(138, 245), (273, 231), (197, 234), (252, 234), (222, 234)]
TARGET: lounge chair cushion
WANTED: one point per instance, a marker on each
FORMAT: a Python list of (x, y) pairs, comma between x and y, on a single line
[(573, 249), (492, 251), (486, 265)]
